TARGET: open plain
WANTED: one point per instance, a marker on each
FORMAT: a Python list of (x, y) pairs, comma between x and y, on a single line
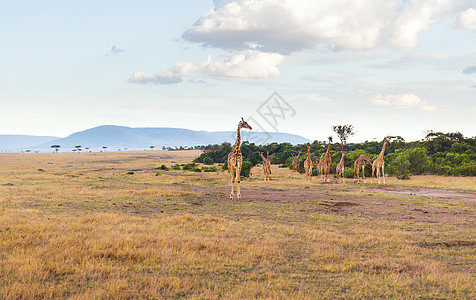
[(114, 225)]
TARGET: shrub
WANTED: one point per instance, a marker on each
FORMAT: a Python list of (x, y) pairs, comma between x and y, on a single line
[(208, 161), (176, 167), (164, 167), (190, 166), (210, 169), (401, 167), (246, 168), (349, 172), (130, 172)]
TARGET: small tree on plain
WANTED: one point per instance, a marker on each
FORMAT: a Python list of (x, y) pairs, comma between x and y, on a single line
[(56, 147), (344, 132)]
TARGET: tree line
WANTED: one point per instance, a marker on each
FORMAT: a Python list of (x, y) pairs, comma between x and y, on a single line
[(438, 153)]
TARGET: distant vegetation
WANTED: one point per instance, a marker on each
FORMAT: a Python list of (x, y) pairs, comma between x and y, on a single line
[(438, 153)]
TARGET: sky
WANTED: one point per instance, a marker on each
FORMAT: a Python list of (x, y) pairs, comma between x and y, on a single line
[(388, 67)]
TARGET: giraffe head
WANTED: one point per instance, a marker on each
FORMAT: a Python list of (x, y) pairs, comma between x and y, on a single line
[(330, 139), (243, 124), (308, 146)]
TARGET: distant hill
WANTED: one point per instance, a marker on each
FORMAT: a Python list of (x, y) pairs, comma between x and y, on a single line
[(22, 142), (112, 136)]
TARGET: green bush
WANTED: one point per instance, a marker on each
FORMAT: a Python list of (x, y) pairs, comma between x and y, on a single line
[(349, 172), (164, 167), (246, 168), (401, 167), (208, 161), (210, 169), (190, 166), (176, 167)]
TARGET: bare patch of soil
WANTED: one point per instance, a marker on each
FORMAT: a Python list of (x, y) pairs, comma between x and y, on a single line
[(368, 205), (427, 192)]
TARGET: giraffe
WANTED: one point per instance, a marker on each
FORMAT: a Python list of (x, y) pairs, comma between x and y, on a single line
[(266, 168), (235, 159), (296, 161), (326, 164), (378, 163), (360, 163), (319, 167), (308, 163), (340, 168)]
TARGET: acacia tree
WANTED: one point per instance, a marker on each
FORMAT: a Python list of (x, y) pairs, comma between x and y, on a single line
[(343, 132), (56, 147)]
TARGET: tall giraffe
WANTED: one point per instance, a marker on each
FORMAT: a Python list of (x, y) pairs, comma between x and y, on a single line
[(266, 167), (319, 167), (308, 163), (235, 159), (360, 163), (296, 161), (340, 168), (326, 164), (379, 163)]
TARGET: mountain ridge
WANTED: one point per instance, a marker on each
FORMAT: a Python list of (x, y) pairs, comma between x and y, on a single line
[(114, 136)]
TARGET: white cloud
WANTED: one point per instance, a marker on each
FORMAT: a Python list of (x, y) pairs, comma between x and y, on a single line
[(254, 64), (467, 19), (402, 101), (285, 26), (161, 78), (247, 64)]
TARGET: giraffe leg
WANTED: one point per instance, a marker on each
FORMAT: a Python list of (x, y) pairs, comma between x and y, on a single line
[(373, 172), (232, 173), (238, 171), (383, 175)]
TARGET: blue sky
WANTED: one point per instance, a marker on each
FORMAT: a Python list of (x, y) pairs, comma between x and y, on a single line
[(387, 67)]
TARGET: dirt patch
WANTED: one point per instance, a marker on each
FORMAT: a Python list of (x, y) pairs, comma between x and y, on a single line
[(368, 205), (427, 192)]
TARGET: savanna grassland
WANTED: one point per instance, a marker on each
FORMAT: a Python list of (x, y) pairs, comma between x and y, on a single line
[(114, 226)]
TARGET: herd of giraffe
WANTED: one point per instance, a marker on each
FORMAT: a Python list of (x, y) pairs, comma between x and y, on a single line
[(235, 159)]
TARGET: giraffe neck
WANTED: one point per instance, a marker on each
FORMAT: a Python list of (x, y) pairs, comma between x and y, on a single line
[(262, 156), (238, 139), (383, 150), (342, 158), (328, 148)]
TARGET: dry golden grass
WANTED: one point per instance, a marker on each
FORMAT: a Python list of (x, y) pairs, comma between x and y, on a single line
[(78, 226)]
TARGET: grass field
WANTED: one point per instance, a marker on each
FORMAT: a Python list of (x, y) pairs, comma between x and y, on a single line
[(113, 226)]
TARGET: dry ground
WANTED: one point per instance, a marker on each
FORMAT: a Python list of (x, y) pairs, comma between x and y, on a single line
[(79, 226)]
